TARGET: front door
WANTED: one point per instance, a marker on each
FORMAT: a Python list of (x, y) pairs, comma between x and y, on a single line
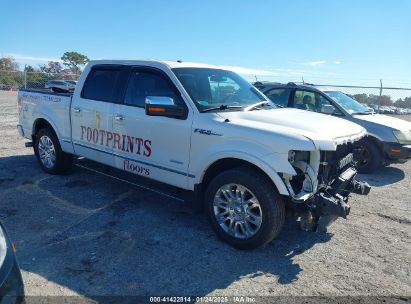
[(312, 101), (152, 146)]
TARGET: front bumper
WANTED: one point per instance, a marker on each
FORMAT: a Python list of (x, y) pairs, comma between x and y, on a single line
[(334, 199), (331, 201), (396, 152)]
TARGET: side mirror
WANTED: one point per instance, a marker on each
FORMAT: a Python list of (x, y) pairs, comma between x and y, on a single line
[(327, 109), (164, 106)]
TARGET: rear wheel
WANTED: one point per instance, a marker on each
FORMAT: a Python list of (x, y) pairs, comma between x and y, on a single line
[(49, 154), (244, 208), (371, 157)]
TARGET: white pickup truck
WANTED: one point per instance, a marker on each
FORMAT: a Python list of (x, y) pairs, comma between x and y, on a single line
[(203, 129)]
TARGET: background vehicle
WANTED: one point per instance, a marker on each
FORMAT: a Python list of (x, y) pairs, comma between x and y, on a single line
[(386, 110), (401, 111), (60, 86), (203, 129), (369, 109), (11, 283), (73, 82), (374, 107), (388, 140)]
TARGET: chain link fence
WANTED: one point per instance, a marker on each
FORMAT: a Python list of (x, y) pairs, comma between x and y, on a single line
[(387, 100), (378, 94), (13, 80), (371, 95)]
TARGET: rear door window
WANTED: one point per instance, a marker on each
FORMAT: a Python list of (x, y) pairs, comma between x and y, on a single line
[(279, 96), (101, 84)]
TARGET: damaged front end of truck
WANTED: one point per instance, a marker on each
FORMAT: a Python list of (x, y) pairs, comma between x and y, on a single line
[(324, 181)]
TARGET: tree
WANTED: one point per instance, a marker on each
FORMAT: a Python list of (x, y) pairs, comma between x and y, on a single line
[(52, 67), (8, 64), (386, 100), (74, 61), (30, 69), (9, 74), (362, 98), (374, 99), (403, 103)]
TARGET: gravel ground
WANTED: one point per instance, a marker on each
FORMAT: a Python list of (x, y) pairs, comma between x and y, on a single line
[(89, 235)]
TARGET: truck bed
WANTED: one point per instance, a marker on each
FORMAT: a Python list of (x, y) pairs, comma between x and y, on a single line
[(36, 105), (45, 91)]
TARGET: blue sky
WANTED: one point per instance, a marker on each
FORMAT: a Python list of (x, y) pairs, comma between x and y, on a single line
[(325, 41)]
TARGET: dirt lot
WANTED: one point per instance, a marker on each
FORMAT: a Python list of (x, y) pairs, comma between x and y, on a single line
[(88, 234)]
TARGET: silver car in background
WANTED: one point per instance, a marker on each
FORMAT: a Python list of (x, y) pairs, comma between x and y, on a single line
[(388, 140), (61, 86)]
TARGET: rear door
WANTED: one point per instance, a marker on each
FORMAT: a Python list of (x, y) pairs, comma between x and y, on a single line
[(92, 113), (152, 146), (279, 96)]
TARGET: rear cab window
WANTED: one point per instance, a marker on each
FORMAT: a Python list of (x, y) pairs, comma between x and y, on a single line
[(102, 84)]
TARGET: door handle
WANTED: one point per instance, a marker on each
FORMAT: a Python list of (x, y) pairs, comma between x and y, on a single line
[(119, 117), (76, 110)]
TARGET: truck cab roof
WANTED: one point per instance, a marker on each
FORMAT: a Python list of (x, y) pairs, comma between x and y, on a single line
[(268, 84), (153, 62)]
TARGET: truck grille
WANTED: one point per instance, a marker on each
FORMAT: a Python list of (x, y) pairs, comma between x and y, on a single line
[(335, 162)]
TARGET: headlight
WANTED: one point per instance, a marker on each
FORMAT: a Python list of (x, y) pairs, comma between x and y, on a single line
[(403, 137), (3, 246)]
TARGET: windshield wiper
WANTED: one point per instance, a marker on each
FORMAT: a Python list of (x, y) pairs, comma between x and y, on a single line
[(256, 105), (221, 108)]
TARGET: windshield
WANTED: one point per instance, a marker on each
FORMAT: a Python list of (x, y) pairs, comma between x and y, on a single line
[(347, 103), (218, 90)]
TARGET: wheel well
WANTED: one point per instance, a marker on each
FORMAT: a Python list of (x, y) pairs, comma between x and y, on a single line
[(226, 164), (40, 124), (376, 142)]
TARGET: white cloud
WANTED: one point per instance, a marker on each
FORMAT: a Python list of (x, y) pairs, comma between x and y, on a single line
[(315, 63), (250, 71), (27, 58), (337, 62)]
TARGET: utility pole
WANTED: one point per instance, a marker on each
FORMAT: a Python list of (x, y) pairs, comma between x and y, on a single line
[(380, 91), (25, 76)]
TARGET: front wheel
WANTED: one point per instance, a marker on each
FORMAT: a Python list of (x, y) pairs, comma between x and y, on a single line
[(245, 208), (371, 157), (49, 154)]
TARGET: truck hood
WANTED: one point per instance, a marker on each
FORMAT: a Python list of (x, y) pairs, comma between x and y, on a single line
[(385, 120), (326, 132)]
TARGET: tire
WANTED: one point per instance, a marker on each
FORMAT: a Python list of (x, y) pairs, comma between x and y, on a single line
[(271, 210), (371, 158), (46, 140)]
